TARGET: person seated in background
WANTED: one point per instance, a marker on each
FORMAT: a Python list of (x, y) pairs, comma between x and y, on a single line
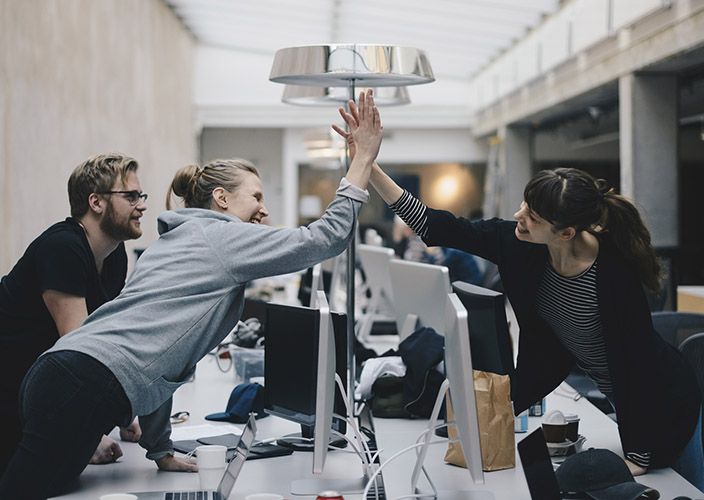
[(574, 265), (461, 266), (65, 274), (185, 295)]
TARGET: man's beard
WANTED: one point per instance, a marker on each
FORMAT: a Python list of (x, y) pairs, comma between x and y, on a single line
[(117, 230)]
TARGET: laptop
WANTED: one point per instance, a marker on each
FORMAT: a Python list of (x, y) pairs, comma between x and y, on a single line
[(228, 478), (537, 467)]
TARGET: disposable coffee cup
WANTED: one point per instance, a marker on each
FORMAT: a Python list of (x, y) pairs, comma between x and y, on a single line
[(572, 432), (211, 465), (264, 496), (554, 433)]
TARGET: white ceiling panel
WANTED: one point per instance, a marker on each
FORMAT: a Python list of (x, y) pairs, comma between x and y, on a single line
[(460, 36)]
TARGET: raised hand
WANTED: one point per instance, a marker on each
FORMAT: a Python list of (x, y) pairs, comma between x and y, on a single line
[(364, 123)]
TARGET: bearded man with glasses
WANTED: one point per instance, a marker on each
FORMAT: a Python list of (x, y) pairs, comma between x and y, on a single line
[(65, 274)]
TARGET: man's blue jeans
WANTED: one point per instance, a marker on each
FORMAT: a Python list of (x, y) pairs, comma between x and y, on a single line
[(68, 401), (690, 465)]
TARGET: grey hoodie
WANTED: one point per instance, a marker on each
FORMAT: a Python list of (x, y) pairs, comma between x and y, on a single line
[(186, 294)]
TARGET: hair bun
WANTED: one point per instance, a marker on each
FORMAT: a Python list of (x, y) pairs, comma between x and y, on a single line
[(184, 181)]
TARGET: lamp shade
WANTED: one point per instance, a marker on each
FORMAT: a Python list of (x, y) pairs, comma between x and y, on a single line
[(303, 95), (337, 65)]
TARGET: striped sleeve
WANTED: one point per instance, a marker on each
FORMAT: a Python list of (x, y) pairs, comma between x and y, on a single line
[(641, 459), (412, 212)]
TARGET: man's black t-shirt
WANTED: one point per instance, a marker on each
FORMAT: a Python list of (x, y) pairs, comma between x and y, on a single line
[(59, 259)]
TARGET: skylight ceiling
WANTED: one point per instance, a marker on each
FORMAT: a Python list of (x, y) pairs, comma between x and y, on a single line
[(459, 36)]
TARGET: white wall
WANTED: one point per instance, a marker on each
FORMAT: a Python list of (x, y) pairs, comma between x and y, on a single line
[(263, 147), (80, 77)]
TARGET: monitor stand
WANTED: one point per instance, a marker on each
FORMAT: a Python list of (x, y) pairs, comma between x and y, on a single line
[(420, 458), (314, 486), (303, 441), (343, 486)]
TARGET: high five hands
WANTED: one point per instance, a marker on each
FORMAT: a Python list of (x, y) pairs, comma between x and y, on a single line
[(365, 129)]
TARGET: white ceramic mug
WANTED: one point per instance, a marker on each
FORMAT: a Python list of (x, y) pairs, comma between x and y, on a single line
[(211, 465)]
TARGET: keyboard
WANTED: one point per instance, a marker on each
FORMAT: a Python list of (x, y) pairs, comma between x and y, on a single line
[(187, 495)]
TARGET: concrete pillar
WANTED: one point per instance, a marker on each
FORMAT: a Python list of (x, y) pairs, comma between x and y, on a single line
[(648, 150), (515, 167)]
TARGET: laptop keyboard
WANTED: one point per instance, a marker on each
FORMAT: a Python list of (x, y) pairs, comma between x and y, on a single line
[(188, 495)]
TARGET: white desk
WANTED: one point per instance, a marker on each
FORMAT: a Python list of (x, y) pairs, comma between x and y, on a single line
[(208, 394), (210, 391), (601, 432)]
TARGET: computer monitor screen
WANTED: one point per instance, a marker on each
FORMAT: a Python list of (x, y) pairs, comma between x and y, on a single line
[(375, 262), (537, 467), (254, 308), (291, 363), (421, 290), (488, 329)]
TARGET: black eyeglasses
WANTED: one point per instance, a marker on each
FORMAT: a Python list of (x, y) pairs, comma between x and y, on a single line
[(132, 196)]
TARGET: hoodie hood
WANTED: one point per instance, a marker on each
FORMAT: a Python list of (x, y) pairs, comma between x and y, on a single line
[(172, 219)]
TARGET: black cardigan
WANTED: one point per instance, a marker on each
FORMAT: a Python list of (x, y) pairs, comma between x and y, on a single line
[(655, 391)]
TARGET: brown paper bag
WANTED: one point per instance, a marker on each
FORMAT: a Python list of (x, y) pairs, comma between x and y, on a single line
[(493, 394)]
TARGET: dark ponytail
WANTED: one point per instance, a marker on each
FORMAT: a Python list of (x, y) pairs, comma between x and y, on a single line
[(624, 225), (568, 197)]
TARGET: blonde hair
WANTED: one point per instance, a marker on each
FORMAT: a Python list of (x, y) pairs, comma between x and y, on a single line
[(97, 174), (195, 184)]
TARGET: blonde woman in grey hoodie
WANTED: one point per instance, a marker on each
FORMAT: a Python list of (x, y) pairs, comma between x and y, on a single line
[(185, 295)]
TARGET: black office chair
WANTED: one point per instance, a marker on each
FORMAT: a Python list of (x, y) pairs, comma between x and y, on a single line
[(693, 351), (676, 327)]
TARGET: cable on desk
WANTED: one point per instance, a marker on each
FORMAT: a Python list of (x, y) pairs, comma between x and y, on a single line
[(391, 459)]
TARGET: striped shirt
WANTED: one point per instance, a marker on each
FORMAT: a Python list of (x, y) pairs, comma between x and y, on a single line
[(412, 212), (568, 305)]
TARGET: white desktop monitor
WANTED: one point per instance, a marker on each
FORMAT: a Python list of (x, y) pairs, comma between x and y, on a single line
[(316, 284), (325, 384), (458, 369), (420, 292), (291, 367), (460, 385), (305, 347), (375, 262)]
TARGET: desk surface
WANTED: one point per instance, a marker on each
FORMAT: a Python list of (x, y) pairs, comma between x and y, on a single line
[(600, 431), (209, 393)]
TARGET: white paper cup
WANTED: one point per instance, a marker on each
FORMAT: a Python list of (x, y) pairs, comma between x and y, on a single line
[(264, 496), (211, 456), (118, 496), (211, 465), (210, 478)]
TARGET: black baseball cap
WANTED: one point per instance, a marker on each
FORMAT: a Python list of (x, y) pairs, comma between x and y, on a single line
[(601, 475)]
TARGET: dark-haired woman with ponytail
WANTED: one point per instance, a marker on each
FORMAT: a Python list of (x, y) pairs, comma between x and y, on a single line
[(574, 264), (184, 297)]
